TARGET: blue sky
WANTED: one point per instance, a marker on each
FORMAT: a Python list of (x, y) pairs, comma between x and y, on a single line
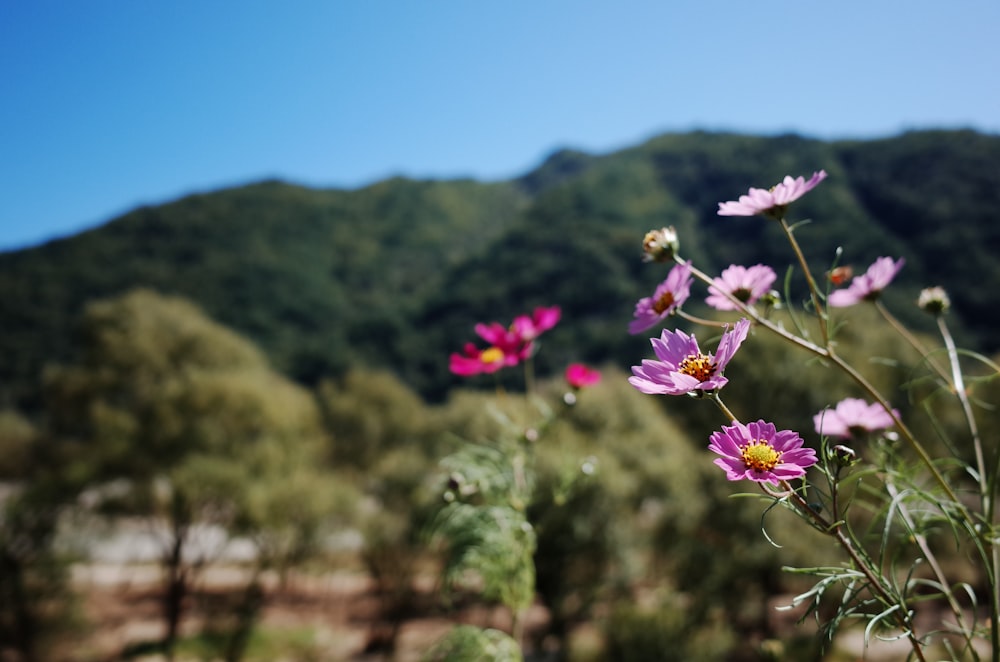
[(109, 104)]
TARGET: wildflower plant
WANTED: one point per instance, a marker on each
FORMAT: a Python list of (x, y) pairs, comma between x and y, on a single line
[(891, 501), (484, 525)]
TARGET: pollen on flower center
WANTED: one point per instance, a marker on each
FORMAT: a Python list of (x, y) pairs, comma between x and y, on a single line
[(760, 455), (698, 366), (491, 355), (664, 302)]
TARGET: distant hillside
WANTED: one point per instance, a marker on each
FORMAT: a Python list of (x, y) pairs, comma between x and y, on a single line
[(394, 274)]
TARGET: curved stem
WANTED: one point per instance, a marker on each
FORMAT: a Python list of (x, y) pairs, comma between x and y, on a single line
[(932, 561), (721, 405), (750, 312), (958, 384), (700, 320), (913, 341), (874, 578), (987, 483), (857, 377), (813, 289)]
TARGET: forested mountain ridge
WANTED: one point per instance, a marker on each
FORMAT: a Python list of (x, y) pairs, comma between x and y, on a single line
[(394, 274)]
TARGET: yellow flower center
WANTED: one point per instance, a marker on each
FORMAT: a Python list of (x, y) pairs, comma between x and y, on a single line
[(698, 366), (664, 302), (491, 355), (760, 455)]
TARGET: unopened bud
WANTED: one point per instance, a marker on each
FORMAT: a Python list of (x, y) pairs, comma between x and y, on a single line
[(660, 245), (844, 455), (772, 299), (840, 275), (934, 300)]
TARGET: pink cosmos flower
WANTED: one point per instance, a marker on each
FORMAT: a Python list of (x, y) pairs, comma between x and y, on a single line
[(506, 339), (541, 320), (760, 452), (473, 361), (771, 202), (668, 297), (869, 285), (853, 417), (579, 375), (682, 368), (747, 284), (508, 345)]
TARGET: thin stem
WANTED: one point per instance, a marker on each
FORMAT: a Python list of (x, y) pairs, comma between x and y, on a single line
[(858, 378), (907, 434), (958, 384), (750, 312), (721, 405), (813, 289), (700, 320), (987, 483), (529, 387), (932, 561), (874, 578), (913, 341)]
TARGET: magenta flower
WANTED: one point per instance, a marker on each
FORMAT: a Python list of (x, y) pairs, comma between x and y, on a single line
[(771, 202), (668, 297), (541, 320), (473, 361), (747, 284), (869, 285), (506, 339), (759, 452), (579, 375), (681, 367), (852, 418), (508, 346)]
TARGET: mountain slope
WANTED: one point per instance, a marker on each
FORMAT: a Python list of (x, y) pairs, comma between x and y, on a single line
[(395, 274)]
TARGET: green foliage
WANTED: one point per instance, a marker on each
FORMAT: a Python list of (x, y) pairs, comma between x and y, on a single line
[(368, 414), (18, 438), (192, 420), (491, 544), (37, 606), (466, 643), (381, 276), (667, 633)]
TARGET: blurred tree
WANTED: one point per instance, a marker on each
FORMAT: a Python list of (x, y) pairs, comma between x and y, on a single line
[(36, 605), (189, 416), (369, 413)]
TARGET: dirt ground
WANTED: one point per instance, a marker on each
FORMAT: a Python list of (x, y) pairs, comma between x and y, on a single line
[(342, 609), (340, 612)]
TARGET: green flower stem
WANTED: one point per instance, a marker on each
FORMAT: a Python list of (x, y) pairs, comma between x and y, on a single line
[(813, 290), (913, 341), (907, 434), (932, 561), (721, 405), (750, 312), (701, 321), (875, 579), (958, 385), (987, 484), (529, 387), (858, 378)]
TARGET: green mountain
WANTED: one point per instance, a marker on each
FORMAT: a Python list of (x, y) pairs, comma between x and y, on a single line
[(395, 274)]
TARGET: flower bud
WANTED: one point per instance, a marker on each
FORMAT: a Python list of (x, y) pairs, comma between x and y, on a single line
[(660, 245), (934, 300), (771, 300), (845, 456)]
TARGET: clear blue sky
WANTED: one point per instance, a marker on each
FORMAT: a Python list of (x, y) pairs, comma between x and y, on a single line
[(108, 104)]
